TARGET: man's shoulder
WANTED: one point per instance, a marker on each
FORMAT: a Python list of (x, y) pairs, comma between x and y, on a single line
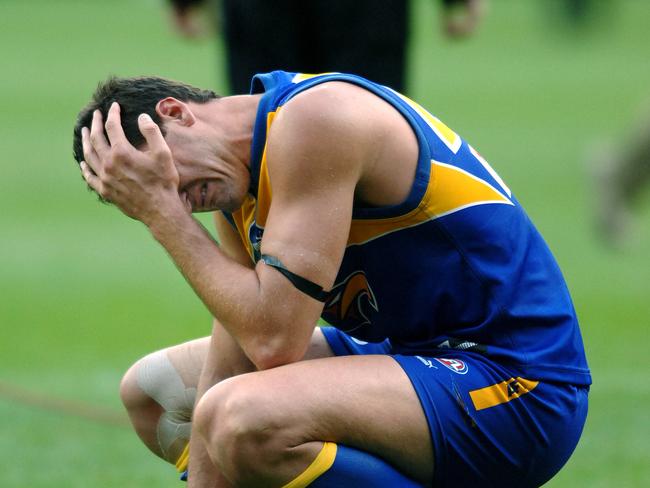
[(334, 103), (327, 119), (341, 131), (317, 139)]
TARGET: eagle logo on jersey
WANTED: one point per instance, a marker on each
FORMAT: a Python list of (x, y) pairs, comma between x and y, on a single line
[(351, 303), (255, 234)]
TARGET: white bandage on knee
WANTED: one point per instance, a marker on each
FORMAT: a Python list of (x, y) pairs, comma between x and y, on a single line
[(159, 379)]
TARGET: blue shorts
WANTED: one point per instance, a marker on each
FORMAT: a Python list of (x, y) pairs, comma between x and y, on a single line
[(488, 426)]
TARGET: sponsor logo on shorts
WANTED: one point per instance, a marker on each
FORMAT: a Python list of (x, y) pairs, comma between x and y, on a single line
[(456, 365), (427, 362)]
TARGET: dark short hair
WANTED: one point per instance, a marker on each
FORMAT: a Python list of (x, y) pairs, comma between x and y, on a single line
[(136, 96)]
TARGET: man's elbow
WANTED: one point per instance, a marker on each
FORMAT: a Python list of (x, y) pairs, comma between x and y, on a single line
[(274, 352)]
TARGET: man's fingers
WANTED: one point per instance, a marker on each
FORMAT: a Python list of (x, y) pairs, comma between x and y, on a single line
[(151, 133), (91, 178), (97, 139), (90, 156), (114, 128)]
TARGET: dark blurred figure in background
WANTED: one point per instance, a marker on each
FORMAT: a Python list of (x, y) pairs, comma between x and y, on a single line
[(579, 15), (364, 37), (620, 173), (578, 10)]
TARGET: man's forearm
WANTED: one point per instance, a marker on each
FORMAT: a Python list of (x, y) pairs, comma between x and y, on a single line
[(251, 304), (226, 287)]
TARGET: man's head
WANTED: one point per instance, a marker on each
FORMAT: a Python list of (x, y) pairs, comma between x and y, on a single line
[(213, 173), (135, 96)]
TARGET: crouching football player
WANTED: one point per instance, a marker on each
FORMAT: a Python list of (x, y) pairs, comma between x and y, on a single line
[(454, 356)]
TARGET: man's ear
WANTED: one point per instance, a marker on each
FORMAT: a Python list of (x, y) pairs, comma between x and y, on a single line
[(171, 109)]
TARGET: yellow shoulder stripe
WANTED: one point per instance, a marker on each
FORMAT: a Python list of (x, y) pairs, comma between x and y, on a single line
[(446, 135), (450, 190), (320, 465), (264, 192), (503, 392), (455, 189), (243, 218), (252, 209)]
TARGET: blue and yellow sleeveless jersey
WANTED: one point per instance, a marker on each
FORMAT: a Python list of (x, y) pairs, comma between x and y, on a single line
[(458, 265)]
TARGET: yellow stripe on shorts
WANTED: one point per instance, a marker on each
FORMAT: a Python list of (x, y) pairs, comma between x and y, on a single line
[(503, 392)]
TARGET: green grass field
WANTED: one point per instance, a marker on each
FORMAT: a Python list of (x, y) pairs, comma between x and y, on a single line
[(84, 291)]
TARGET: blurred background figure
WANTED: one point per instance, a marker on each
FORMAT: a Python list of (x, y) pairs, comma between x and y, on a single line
[(578, 10), (620, 173), (580, 14), (364, 37)]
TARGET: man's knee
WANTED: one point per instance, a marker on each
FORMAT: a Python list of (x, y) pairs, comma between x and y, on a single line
[(242, 435), (159, 404), (155, 377), (131, 394)]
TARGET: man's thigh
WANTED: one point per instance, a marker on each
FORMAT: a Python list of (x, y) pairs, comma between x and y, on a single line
[(363, 401), (486, 423)]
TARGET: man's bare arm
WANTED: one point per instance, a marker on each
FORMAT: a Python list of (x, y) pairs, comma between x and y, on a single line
[(144, 185), (261, 312), (270, 319)]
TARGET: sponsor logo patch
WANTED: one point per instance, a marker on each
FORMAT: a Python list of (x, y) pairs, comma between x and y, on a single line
[(456, 365), (427, 362), (359, 341)]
